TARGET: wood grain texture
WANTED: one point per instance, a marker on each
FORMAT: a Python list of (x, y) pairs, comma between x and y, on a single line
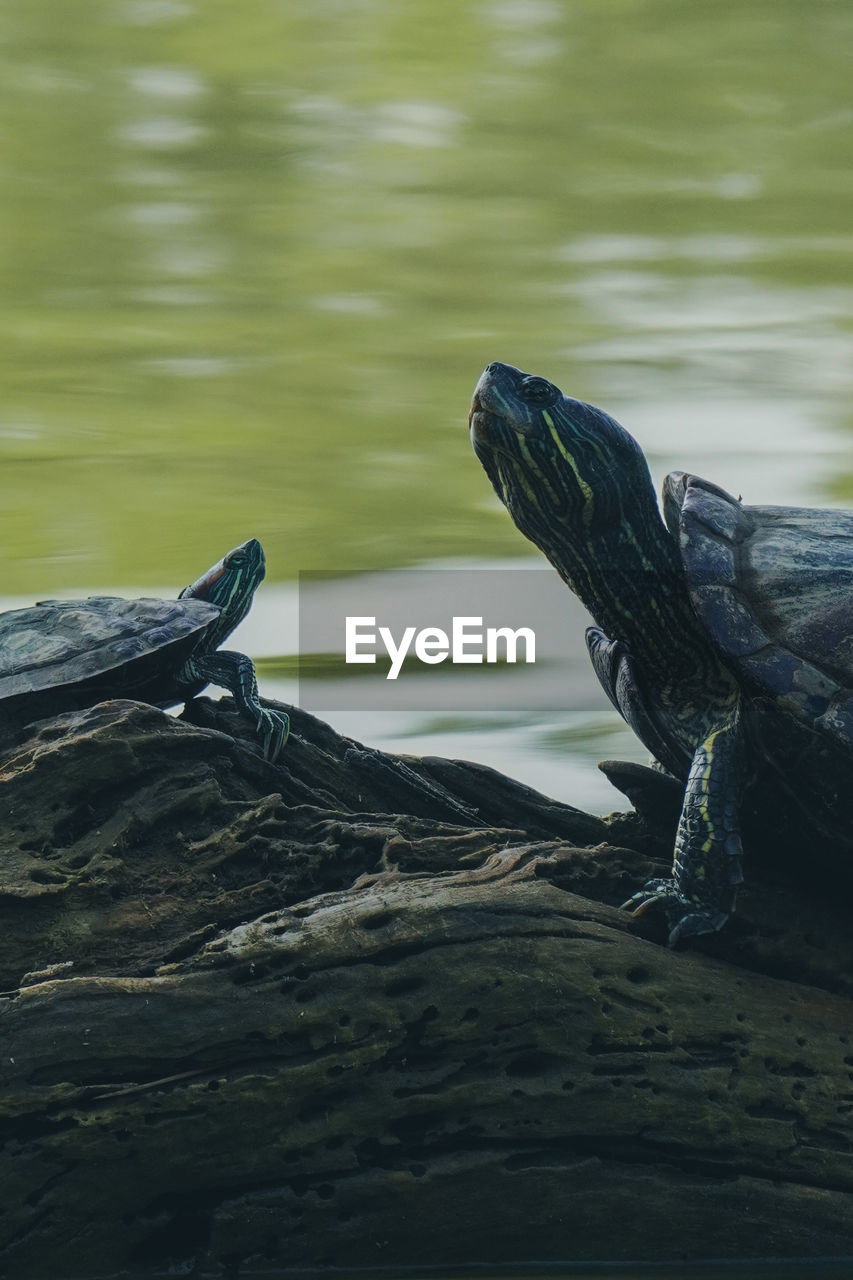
[(314, 1015)]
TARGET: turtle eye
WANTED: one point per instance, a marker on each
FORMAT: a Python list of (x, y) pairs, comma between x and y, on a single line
[(537, 391)]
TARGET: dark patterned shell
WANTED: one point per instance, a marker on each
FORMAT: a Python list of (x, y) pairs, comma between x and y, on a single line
[(59, 643), (774, 587)]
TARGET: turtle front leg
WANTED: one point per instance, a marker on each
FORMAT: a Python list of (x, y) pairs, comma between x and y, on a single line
[(236, 673), (618, 677), (706, 870)]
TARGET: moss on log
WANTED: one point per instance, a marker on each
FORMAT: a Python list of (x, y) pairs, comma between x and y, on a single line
[(359, 1010)]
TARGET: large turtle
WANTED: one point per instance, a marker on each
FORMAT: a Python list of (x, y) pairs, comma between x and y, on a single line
[(63, 655), (724, 635)]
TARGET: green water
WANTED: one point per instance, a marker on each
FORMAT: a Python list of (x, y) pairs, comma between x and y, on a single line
[(255, 256)]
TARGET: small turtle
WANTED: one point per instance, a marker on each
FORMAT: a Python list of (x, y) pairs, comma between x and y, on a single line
[(724, 632), (62, 655)]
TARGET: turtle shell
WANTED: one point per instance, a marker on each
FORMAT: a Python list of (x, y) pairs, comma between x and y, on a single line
[(119, 647), (774, 588)]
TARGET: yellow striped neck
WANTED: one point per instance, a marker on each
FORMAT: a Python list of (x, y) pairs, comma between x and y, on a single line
[(631, 581)]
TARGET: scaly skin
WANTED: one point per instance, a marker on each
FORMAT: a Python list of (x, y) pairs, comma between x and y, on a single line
[(231, 584), (578, 486)]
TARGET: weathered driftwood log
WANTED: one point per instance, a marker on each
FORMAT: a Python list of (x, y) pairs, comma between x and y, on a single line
[(362, 1010)]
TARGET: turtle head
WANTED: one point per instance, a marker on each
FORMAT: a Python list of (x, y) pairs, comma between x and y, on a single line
[(230, 584), (578, 486), (562, 468)]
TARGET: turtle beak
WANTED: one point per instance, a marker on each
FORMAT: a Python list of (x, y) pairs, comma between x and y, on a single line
[(494, 407), (481, 413), (478, 422)]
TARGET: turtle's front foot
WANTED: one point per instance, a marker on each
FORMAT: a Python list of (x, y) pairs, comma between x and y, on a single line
[(687, 918), (273, 729), (236, 673)]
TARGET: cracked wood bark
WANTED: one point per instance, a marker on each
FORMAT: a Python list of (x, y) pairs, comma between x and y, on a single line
[(362, 1010)]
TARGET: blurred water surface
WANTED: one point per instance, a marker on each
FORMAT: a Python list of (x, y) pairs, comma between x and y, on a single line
[(254, 258)]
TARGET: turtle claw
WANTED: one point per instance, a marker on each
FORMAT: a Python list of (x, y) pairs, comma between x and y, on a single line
[(664, 893), (653, 893), (273, 731), (697, 922)]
